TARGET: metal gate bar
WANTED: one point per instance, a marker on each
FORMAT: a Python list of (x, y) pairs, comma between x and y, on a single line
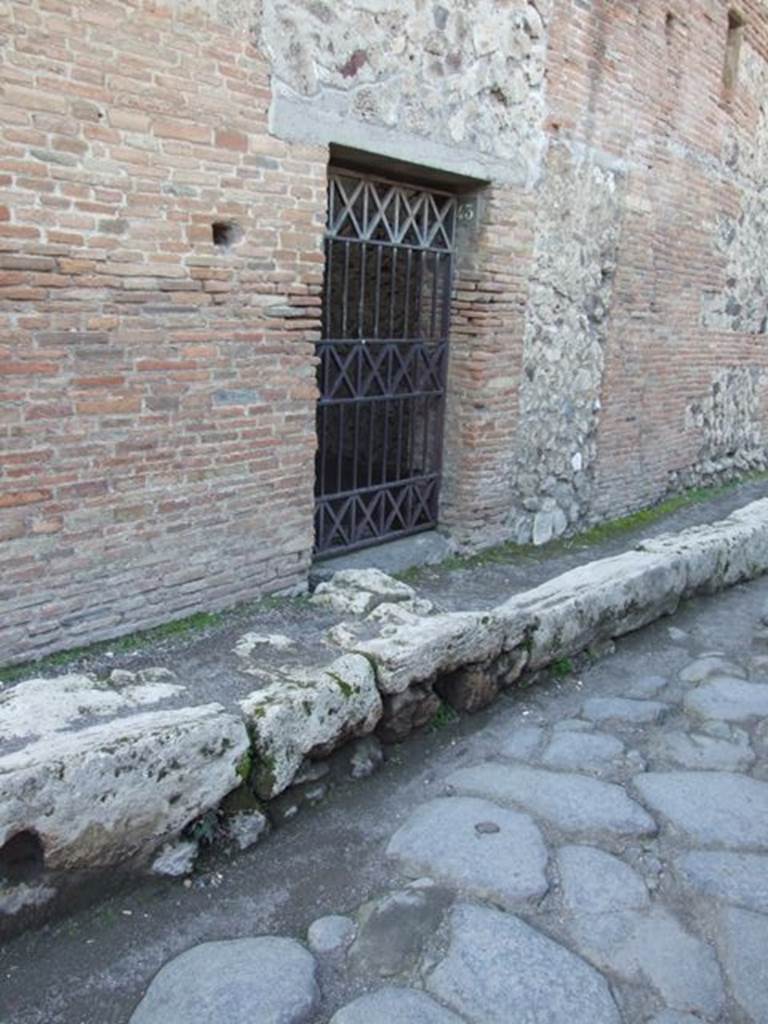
[(382, 360)]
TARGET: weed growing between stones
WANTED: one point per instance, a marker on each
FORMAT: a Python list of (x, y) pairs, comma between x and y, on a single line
[(204, 830), (562, 667), (245, 766), (443, 717)]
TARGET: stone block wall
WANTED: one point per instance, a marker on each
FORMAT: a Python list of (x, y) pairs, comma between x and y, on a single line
[(158, 394)]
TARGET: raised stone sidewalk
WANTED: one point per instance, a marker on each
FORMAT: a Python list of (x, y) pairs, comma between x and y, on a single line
[(592, 850), (94, 781)]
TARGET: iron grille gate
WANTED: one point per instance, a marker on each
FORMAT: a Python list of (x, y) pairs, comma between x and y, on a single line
[(382, 360)]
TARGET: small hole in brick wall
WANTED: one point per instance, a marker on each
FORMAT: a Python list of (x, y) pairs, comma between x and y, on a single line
[(669, 25), (732, 52), (22, 858), (226, 233)]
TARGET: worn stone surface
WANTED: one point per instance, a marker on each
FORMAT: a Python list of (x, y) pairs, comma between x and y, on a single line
[(357, 591), (743, 941), (114, 791), (651, 945), (404, 712), (711, 808), (233, 980), (738, 878), (731, 700), (389, 1005), (175, 859), (597, 602), (402, 612), (522, 743), (439, 839), (644, 687), (393, 930), (367, 757), (595, 882), (674, 1017), (43, 706), (331, 934), (250, 642), (500, 969), (718, 555), (412, 654), (311, 715), (646, 912), (246, 828), (709, 665), (632, 712), (575, 751), (705, 752), (574, 803)]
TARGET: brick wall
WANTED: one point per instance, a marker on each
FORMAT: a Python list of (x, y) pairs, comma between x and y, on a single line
[(156, 392)]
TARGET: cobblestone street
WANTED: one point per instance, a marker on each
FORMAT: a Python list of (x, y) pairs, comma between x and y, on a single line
[(591, 849)]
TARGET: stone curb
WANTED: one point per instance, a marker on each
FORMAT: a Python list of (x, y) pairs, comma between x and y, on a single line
[(114, 793), (467, 657)]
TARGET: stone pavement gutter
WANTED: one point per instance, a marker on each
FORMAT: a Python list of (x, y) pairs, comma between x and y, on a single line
[(97, 778)]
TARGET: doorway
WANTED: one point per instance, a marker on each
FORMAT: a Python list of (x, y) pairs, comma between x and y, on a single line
[(383, 359)]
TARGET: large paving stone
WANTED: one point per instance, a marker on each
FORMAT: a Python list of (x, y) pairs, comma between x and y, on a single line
[(595, 882), (708, 666), (394, 928), (505, 859), (498, 970), (674, 1017), (395, 1006), (522, 744), (242, 981), (731, 700), (652, 947), (743, 939), (707, 753), (711, 808), (623, 709), (643, 687), (331, 934), (574, 803), (574, 751), (740, 878)]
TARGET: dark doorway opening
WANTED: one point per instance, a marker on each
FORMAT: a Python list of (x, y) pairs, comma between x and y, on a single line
[(383, 360)]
